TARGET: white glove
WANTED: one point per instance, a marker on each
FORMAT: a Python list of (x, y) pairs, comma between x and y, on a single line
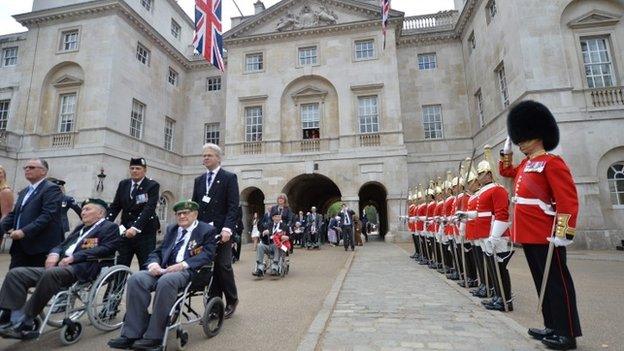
[(560, 241), (412, 219), (507, 146), (463, 215), (462, 229), (488, 246)]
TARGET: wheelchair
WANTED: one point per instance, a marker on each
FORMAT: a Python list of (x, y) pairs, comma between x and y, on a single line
[(283, 266), (182, 312), (99, 299)]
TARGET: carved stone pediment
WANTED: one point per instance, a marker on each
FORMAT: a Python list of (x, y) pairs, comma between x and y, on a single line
[(306, 18), (309, 92), (67, 80), (595, 18)]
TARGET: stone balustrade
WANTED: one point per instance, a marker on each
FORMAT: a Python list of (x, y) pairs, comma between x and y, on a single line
[(62, 140), (443, 20), (606, 97)]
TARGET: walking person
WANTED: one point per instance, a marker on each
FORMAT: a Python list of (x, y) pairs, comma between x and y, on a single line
[(346, 227), (255, 232)]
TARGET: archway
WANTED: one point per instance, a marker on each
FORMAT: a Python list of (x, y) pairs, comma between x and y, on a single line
[(252, 201), (307, 190), (375, 194)]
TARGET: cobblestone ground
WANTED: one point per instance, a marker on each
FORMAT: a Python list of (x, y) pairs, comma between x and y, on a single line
[(389, 303)]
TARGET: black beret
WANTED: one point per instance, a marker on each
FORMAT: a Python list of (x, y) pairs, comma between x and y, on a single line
[(58, 182), (96, 201), (140, 161), (275, 211), (532, 120)]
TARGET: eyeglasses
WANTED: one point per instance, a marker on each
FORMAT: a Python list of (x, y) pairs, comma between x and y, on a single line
[(182, 213), (31, 167)]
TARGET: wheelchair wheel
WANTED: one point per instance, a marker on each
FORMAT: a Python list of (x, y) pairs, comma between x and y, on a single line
[(105, 297), (70, 332), (58, 311), (213, 317), (182, 338)]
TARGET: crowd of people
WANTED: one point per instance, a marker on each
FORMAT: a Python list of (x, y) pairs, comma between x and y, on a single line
[(462, 226)]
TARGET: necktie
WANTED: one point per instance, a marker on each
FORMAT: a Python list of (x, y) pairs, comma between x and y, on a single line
[(209, 180), (347, 222), (135, 188), (30, 191), (275, 228), (176, 248)]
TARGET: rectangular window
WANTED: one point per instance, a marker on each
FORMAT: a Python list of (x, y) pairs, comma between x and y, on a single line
[(254, 62), (9, 56), (169, 133), (253, 123), (142, 54), (479, 107), (310, 120), (364, 49), (368, 114), (147, 4), (307, 56), (502, 84), (491, 10), (136, 119), (432, 121), (173, 77), (211, 133), (213, 83), (4, 114), (597, 61), (70, 40), (472, 43), (67, 113), (427, 61), (175, 29)]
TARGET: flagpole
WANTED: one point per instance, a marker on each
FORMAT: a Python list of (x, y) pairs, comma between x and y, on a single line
[(238, 8)]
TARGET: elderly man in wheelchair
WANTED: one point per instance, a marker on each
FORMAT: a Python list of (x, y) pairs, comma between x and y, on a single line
[(77, 259), (187, 249), (275, 244)]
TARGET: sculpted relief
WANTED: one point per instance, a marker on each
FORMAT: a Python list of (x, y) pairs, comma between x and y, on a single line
[(307, 17)]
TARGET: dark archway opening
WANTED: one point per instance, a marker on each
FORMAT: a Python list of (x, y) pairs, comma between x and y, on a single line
[(375, 194), (253, 198), (307, 190)]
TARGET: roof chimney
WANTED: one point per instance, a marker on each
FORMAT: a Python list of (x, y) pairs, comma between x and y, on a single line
[(259, 7)]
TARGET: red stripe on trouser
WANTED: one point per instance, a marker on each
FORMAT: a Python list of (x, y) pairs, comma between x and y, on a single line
[(567, 297)]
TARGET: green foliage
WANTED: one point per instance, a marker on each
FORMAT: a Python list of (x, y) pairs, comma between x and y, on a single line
[(371, 214), (333, 210)]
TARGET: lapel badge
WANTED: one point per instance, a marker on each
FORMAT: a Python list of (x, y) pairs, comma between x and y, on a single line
[(192, 244)]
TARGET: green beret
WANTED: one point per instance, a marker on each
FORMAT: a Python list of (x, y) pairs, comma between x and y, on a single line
[(98, 202), (186, 205)]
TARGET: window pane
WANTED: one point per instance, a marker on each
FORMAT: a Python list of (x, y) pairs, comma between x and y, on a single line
[(4, 114)]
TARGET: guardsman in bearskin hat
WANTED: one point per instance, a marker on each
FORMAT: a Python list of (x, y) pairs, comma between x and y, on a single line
[(545, 214)]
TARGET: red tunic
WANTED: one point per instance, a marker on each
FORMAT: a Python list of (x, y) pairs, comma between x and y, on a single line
[(411, 212), (471, 224), (448, 210), (543, 187), (438, 215), (421, 212), (493, 199), (430, 213)]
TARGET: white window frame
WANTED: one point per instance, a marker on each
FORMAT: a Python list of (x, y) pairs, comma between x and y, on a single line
[(137, 119), (176, 29), (605, 79), (212, 133), (11, 60), (253, 123), (254, 66), (368, 114), (213, 83), (358, 51), (67, 112), (613, 183), (148, 5), (169, 134), (5, 105), (173, 77), (479, 107), (143, 54), (70, 45), (427, 61), (433, 124), (307, 55), (502, 84), (310, 114)]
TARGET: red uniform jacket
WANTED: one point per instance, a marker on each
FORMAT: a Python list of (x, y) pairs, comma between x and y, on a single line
[(447, 211), (471, 224), (430, 213), (411, 212), (438, 215), (543, 188), (422, 212), (493, 200)]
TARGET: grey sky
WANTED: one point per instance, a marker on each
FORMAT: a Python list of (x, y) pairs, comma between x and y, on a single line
[(410, 7)]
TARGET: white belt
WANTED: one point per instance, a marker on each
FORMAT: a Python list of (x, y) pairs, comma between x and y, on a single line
[(484, 214), (547, 208)]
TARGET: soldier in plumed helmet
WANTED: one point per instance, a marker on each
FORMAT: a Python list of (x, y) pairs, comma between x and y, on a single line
[(545, 215)]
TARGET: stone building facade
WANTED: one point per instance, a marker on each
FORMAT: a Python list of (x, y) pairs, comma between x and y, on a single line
[(313, 103)]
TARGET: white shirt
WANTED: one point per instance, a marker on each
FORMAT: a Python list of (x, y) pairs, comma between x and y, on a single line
[(187, 237), (214, 175)]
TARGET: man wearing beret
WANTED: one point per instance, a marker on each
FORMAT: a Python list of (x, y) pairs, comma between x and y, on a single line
[(188, 246), (67, 203), (136, 198), (75, 259), (545, 215)]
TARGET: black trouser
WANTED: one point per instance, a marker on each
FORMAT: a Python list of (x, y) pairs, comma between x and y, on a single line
[(47, 283), (347, 237), (502, 266), (559, 308), (471, 270), (416, 248), (448, 259), (223, 280), (21, 259), (141, 246), (478, 258)]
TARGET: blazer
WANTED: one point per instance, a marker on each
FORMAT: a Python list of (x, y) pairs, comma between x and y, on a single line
[(350, 213), (102, 242), (139, 212), (266, 239), (39, 217), (200, 250), (222, 210)]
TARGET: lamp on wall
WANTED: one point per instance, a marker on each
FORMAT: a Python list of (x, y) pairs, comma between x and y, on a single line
[(100, 185)]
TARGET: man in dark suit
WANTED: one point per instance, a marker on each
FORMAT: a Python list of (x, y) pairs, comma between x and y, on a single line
[(67, 203), (34, 224), (216, 192), (313, 230), (346, 226), (188, 246), (136, 198), (75, 259), (267, 246)]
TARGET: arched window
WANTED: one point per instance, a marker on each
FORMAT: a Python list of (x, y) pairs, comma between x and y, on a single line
[(615, 177), (162, 209)]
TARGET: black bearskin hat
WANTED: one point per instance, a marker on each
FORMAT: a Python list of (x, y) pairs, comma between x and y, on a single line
[(532, 120)]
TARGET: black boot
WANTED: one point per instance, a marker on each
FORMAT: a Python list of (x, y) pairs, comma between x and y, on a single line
[(559, 342), (539, 334)]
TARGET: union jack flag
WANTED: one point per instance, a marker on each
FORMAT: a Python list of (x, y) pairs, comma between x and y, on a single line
[(208, 39), (385, 14)]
